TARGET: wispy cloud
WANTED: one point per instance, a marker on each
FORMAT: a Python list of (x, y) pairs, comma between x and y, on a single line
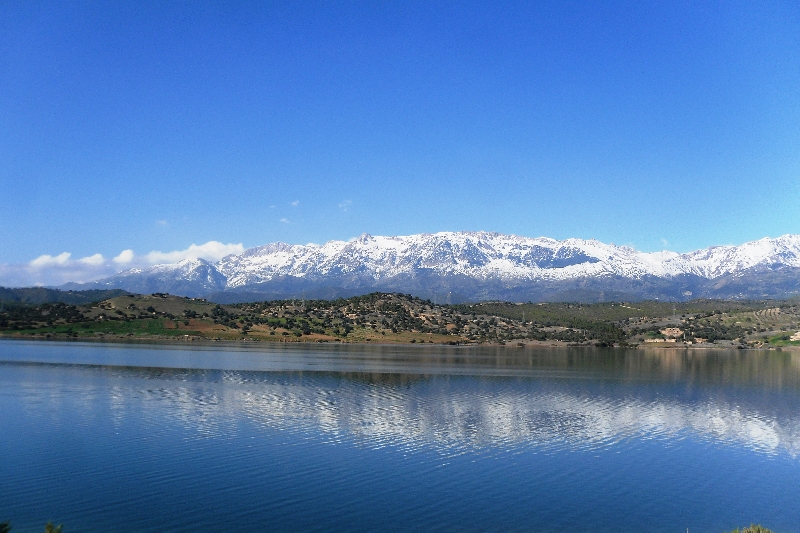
[(295, 203), (285, 220), (345, 205), (54, 270), (161, 222)]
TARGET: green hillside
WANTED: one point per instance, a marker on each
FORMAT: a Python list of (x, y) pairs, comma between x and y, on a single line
[(402, 318)]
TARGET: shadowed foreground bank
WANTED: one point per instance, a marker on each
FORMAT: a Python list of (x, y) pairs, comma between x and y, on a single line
[(5, 527)]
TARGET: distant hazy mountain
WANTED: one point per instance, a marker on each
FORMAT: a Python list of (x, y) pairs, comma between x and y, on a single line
[(42, 295), (479, 266)]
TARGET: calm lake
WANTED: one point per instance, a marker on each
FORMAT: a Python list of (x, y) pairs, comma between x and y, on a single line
[(114, 437)]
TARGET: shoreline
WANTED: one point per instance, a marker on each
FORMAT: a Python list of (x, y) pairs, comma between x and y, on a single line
[(512, 345)]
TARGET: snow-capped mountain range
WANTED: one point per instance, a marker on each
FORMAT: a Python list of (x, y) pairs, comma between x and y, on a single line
[(479, 266)]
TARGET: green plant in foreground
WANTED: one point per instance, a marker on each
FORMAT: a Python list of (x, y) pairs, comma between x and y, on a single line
[(5, 527), (753, 528)]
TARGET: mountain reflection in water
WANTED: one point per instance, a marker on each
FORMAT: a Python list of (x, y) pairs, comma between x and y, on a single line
[(455, 414), (355, 438), (458, 399)]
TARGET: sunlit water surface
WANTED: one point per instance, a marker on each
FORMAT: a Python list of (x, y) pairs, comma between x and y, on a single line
[(107, 437)]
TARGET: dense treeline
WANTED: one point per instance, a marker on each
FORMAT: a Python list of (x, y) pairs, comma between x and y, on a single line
[(24, 316)]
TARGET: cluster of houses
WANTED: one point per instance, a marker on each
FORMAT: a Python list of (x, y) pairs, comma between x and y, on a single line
[(672, 334)]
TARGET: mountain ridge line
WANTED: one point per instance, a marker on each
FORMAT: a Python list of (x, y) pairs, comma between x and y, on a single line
[(474, 266)]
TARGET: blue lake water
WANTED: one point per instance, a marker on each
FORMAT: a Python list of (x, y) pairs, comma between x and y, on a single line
[(105, 437)]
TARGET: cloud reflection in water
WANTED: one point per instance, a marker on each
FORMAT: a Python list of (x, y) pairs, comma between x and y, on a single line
[(458, 414)]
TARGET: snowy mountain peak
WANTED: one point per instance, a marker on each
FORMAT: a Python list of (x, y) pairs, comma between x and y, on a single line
[(472, 261)]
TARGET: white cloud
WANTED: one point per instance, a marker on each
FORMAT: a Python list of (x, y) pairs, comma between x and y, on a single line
[(344, 206), (295, 203), (285, 220), (161, 222), (96, 259), (124, 257), (211, 251), (49, 260), (56, 270)]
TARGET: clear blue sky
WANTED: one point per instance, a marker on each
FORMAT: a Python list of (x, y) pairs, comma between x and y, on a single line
[(155, 125)]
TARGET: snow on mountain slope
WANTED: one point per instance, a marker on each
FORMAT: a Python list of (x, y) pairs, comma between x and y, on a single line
[(478, 255), (483, 255), (190, 276), (475, 262), (720, 260)]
